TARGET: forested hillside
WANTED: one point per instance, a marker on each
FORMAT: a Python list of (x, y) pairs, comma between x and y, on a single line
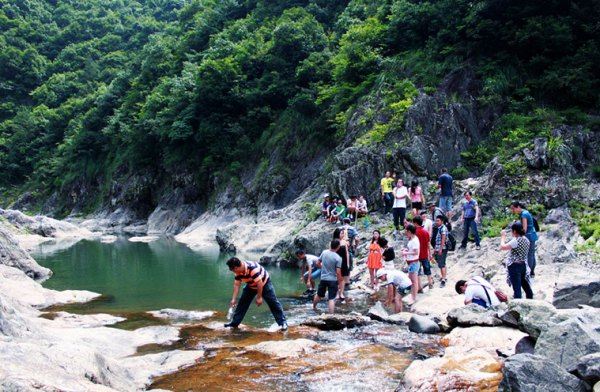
[(97, 91)]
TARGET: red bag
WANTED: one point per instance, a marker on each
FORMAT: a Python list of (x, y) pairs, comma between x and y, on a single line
[(501, 296)]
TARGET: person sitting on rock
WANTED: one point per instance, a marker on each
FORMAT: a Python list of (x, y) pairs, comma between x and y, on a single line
[(331, 275), (339, 212), (362, 209), (352, 208), (477, 290), (309, 271), (258, 284), (398, 285), (325, 207)]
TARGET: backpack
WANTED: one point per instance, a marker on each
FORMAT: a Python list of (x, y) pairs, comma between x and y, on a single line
[(451, 243)]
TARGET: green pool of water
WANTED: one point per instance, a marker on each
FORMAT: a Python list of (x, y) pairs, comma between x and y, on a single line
[(150, 276)]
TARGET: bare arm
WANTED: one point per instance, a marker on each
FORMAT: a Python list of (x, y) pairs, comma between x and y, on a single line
[(390, 294), (236, 290), (503, 243), (468, 301), (524, 223), (477, 213), (259, 290)]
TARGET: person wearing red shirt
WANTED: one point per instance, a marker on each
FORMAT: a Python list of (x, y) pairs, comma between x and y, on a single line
[(424, 254)]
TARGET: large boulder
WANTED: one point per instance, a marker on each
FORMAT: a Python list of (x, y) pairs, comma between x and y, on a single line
[(379, 313), (491, 339), (336, 322), (538, 157), (579, 287), (12, 255), (530, 316), (560, 215), (422, 324), (473, 314), (566, 342), (587, 368), (475, 370), (223, 237), (527, 373)]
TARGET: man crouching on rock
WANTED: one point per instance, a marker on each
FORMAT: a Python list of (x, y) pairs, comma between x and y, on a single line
[(258, 284)]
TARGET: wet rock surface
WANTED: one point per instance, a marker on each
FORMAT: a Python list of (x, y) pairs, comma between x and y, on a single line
[(421, 324), (335, 322), (527, 372)]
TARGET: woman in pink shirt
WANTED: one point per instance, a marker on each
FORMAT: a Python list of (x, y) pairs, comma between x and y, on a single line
[(417, 199)]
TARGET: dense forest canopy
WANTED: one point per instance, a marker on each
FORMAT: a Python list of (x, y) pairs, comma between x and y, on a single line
[(92, 90)]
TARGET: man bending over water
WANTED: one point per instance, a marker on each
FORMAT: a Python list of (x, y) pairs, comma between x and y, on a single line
[(258, 284)]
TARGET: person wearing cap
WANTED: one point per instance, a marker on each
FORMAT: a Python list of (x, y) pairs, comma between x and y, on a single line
[(398, 285)]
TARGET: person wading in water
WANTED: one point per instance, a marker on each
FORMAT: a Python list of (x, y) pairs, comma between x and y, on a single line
[(258, 284)]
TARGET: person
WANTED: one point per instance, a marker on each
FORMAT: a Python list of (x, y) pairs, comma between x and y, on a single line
[(477, 290), (528, 225), (258, 284), (399, 207), (344, 252), (434, 213), (516, 263), (441, 246), (387, 184), (309, 271), (398, 284), (374, 258), (445, 185), (469, 218), (424, 253), (325, 207), (417, 198), (339, 212), (331, 274), (427, 223), (387, 253), (352, 208), (362, 209), (352, 235), (411, 253)]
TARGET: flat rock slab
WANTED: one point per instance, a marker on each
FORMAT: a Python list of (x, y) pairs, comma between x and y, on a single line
[(285, 348), (336, 322), (527, 372)]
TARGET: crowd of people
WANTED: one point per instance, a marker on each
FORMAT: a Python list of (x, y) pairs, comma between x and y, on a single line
[(428, 239)]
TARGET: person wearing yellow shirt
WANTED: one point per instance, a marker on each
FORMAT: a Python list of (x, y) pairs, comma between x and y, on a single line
[(387, 188)]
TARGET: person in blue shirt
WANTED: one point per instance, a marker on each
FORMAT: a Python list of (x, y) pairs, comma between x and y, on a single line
[(445, 186), (470, 217), (527, 221)]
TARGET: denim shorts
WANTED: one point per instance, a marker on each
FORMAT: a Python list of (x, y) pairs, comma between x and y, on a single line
[(426, 266), (330, 286), (414, 267), (316, 274), (403, 291), (446, 203)]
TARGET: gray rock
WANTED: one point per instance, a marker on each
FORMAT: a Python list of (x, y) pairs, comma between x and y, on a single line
[(530, 316), (377, 312), (223, 238), (473, 314), (421, 324), (558, 215), (581, 287), (538, 157), (525, 346), (566, 342), (336, 322), (529, 373), (587, 368), (13, 255)]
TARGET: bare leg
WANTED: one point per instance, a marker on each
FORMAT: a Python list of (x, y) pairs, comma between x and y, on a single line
[(414, 278), (331, 306), (341, 286), (372, 275), (316, 300), (397, 303), (443, 270)]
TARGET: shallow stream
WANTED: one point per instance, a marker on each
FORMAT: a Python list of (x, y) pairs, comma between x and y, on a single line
[(138, 277)]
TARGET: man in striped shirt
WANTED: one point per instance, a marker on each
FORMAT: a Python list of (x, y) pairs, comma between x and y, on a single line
[(258, 284)]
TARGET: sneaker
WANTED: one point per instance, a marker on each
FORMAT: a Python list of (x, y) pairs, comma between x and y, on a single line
[(306, 292), (284, 326), (462, 248), (229, 325), (478, 247), (443, 283)]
